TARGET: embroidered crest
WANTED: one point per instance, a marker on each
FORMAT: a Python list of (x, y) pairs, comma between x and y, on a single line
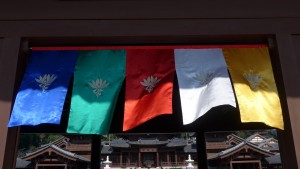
[(253, 79), (150, 82), (204, 77), (45, 81), (98, 86)]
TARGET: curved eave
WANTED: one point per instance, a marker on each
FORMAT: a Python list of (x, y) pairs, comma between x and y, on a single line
[(189, 149), (177, 142), (119, 143), (151, 142), (35, 153), (106, 149), (239, 147), (275, 159), (52, 148), (59, 142), (147, 144), (117, 146)]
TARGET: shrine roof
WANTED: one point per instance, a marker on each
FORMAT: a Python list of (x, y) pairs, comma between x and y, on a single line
[(177, 142), (59, 151), (190, 148), (59, 142), (120, 143), (256, 135), (148, 141), (20, 163), (275, 159), (106, 149), (234, 138), (243, 145)]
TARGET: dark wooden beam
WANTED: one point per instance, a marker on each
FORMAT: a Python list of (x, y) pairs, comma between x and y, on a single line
[(145, 9), (201, 150), (96, 152), (9, 53)]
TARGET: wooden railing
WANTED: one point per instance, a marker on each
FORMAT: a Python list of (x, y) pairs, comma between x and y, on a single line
[(124, 165), (222, 145), (161, 164), (86, 147), (172, 163)]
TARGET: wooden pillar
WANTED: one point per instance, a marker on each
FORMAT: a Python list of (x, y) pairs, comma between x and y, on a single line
[(121, 158), (9, 53), (175, 157), (139, 165), (129, 154), (231, 164), (288, 60), (96, 152), (201, 150), (157, 159), (168, 158)]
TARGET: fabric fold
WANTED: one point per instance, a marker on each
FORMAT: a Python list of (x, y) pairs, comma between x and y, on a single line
[(203, 81), (149, 85), (254, 85), (43, 89), (98, 79)]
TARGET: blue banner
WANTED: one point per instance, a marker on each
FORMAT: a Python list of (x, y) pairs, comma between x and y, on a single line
[(44, 87)]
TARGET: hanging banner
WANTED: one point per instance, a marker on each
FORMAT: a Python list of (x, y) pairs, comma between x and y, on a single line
[(203, 81), (254, 85), (43, 89), (149, 85), (97, 81)]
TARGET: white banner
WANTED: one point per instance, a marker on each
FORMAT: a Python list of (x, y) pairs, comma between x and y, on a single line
[(203, 81)]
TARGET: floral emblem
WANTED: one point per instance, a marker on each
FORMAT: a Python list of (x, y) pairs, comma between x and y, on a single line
[(98, 86), (45, 81), (204, 77), (150, 82), (253, 79)]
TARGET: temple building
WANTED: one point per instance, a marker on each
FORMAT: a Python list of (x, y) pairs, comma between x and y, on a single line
[(54, 157), (149, 151), (160, 150)]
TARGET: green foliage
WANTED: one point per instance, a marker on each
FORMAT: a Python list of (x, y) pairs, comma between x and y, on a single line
[(30, 142), (109, 137), (51, 138), (272, 133), (266, 133), (244, 133)]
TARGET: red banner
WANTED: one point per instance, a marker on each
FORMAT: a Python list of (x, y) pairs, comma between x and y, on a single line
[(149, 85)]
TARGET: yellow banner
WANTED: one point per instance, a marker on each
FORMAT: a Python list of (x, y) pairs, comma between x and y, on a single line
[(254, 85)]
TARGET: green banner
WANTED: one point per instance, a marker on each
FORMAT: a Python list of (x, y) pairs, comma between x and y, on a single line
[(98, 78)]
